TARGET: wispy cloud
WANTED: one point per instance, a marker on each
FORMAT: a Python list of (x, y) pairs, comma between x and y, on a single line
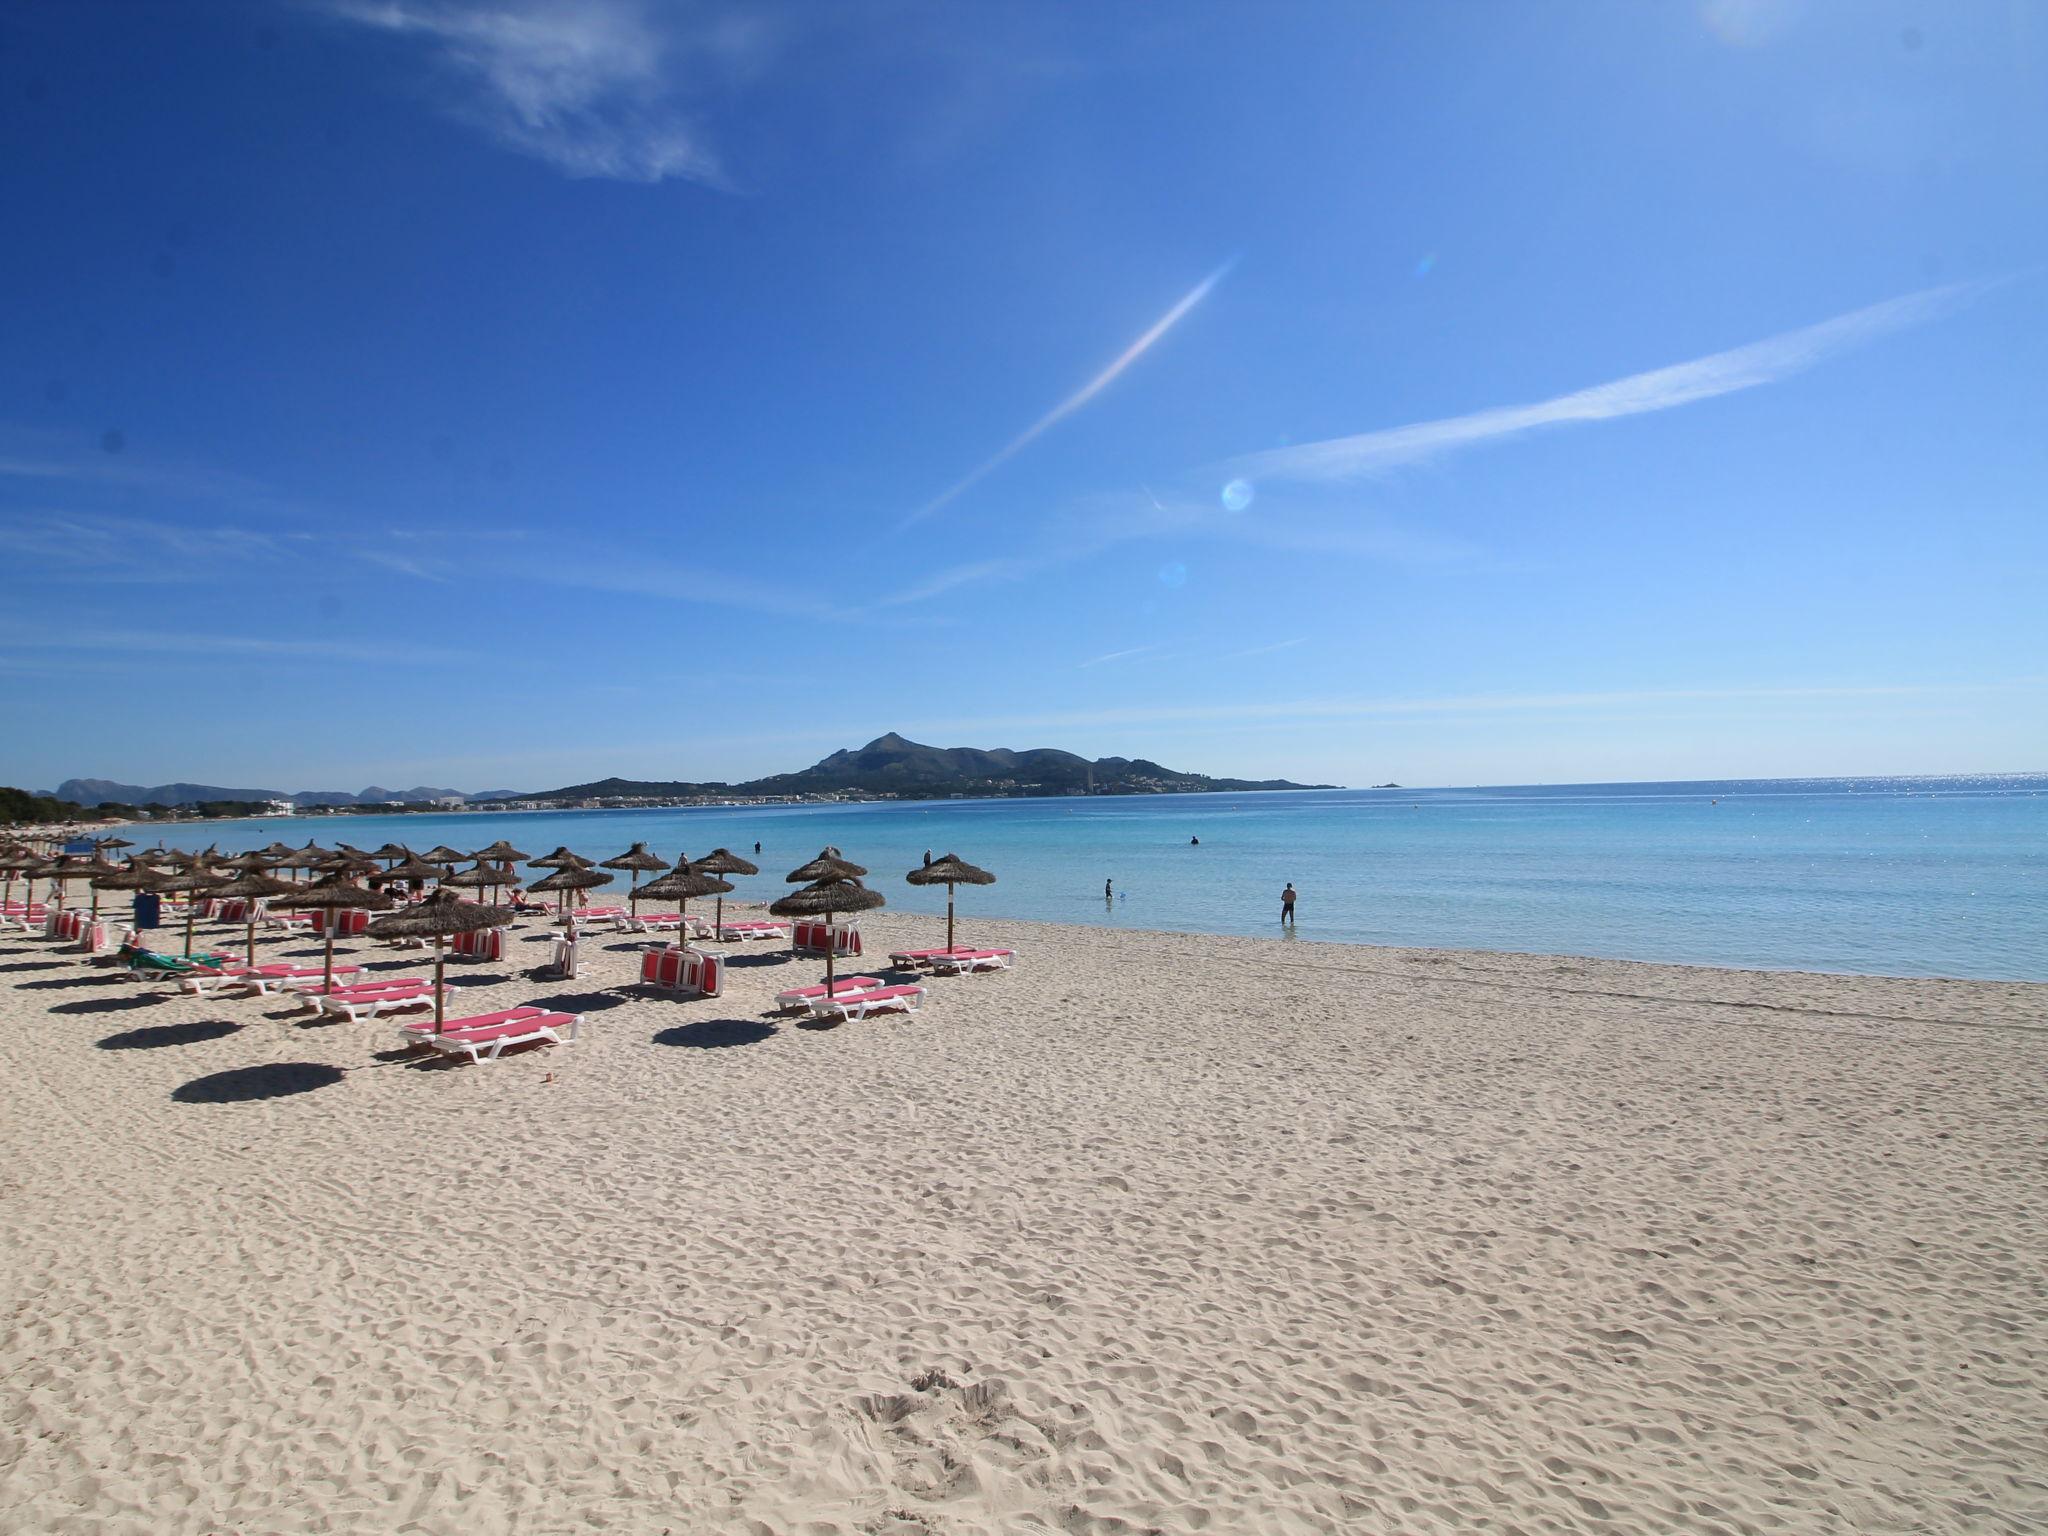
[(1079, 397), (1268, 650), (1615, 702), (1130, 655), (1661, 389), (197, 642), (590, 87)]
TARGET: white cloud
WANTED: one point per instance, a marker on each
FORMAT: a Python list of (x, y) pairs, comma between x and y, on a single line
[(589, 86), (1130, 655), (1661, 389)]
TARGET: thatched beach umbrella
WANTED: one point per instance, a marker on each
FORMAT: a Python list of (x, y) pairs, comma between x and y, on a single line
[(444, 855), (638, 860), (828, 865), (950, 871), (353, 852), (18, 861), (191, 884), (824, 898), (570, 880), (561, 858), (395, 852), (722, 861), (414, 869), (68, 867), (501, 852), (335, 895), (435, 918), (136, 877), (278, 851), (482, 876), (309, 857), (681, 883), (111, 842), (254, 886)]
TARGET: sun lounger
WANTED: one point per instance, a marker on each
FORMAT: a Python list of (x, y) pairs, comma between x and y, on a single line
[(261, 978), (915, 958), (858, 1005), (286, 920), (148, 965), (370, 1003), (274, 979), (669, 922), (961, 961), (846, 986), (600, 917), (733, 933), (488, 1036)]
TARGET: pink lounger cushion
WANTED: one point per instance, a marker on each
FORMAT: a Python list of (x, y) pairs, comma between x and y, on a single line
[(510, 1028), (363, 989), (846, 986), (477, 1021)]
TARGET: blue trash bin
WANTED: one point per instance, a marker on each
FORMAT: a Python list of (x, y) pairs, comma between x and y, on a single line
[(149, 909)]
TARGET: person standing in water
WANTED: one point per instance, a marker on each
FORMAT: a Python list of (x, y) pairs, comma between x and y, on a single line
[(1107, 898), (1287, 905)]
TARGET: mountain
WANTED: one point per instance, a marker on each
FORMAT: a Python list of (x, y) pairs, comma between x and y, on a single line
[(99, 791), (893, 765)]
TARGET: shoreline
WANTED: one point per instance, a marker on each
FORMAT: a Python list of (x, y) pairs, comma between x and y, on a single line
[(1154, 1231)]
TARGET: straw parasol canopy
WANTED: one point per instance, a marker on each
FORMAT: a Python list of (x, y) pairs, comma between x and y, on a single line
[(14, 861), (561, 858), (75, 866), (481, 875), (723, 861), (828, 865), (501, 852), (435, 918), (681, 883), (393, 851), (191, 883), (251, 863), (444, 855), (310, 856), (949, 871), (571, 879), (277, 851), (415, 869), (637, 859), (823, 898), (112, 842), (353, 852), (255, 886), (337, 894)]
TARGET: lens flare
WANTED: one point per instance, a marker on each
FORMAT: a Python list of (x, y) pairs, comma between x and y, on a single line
[(1237, 495), (1173, 574)]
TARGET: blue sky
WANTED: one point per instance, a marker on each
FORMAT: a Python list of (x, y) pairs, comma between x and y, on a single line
[(503, 395)]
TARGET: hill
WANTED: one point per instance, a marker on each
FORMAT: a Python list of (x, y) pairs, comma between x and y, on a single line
[(107, 791), (896, 767)]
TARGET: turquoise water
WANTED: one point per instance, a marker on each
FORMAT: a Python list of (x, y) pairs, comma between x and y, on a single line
[(1919, 877)]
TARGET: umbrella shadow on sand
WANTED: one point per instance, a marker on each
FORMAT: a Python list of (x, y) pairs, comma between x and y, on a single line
[(717, 1034), (71, 981), (247, 1085), (580, 1002), (111, 1004), (759, 958), (33, 965), (156, 1036)]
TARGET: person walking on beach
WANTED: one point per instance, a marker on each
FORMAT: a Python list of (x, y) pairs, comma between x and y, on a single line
[(1287, 905)]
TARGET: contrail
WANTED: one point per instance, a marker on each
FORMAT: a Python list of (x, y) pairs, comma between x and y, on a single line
[(1081, 396), (1723, 373)]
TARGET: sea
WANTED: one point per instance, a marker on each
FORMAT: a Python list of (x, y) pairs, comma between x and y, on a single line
[(1892, 876)]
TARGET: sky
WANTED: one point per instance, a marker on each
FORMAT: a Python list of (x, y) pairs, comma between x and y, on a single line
[(503, 395)]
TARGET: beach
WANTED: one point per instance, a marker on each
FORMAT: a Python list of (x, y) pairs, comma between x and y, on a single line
[(1155, 1232)]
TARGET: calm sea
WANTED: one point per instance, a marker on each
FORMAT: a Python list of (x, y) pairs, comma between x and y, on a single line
[(1917, 877)]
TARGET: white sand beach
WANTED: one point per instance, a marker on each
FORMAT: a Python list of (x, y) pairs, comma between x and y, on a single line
[(1154, 1233)]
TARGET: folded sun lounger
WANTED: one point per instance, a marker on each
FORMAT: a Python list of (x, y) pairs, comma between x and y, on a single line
[(858, 1005)]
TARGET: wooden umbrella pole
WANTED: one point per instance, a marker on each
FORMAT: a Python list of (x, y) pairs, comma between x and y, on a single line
[(252, 931), (440, 977), (949, 913), (327, 976), (191, 910), (831, 952)]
